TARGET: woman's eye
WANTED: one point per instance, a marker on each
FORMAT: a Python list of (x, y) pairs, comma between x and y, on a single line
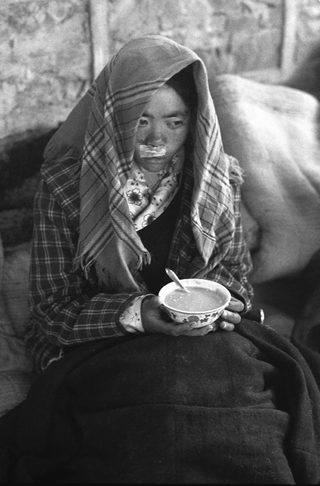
[(143, 122), (175, 123)]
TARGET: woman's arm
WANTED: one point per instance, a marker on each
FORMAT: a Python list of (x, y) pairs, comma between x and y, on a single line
[(234, 269), (233, 272), (68, 307)]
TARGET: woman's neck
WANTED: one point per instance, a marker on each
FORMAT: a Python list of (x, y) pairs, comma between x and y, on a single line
[(152, 178)]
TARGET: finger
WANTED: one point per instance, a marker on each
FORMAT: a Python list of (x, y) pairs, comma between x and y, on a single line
[(235, 305), (226, 326), (213, 326), (232, 317), (201, 331), (191, 329)]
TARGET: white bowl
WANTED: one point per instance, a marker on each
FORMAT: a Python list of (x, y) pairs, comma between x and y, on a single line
[(203, 317)]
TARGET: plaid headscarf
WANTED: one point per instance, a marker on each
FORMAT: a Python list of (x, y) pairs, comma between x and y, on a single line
[(101, 129)]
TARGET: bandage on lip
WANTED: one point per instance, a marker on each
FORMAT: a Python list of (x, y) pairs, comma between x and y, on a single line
[(151, 151)]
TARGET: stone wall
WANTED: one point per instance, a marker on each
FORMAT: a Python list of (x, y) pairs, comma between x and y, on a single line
[(46, 54), (308, 28), (229, 35), (49, 48)]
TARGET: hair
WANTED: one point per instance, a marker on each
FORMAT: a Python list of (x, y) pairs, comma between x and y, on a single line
[(183, 83)]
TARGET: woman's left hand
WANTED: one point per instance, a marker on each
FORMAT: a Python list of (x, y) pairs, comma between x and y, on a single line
[(230, 315)]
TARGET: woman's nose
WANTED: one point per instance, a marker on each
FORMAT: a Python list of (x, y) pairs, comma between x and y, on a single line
[(155, 136)]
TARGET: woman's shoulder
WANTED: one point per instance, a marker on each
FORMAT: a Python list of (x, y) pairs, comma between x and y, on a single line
[(62, 177), (62, 171)]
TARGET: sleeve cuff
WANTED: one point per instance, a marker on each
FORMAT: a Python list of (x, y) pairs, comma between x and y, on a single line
[(131, 316)]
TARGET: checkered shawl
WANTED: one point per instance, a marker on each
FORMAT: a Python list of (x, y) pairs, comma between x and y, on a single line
[(102, 128)]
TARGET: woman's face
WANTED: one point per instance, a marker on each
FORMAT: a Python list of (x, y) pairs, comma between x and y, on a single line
[(163, 129)]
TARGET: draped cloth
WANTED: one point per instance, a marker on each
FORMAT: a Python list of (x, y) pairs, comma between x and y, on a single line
[(228, 408), (101, 130), (273, 131)]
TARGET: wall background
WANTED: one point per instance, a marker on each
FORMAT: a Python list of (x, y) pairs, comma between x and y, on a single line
[(50, 50)]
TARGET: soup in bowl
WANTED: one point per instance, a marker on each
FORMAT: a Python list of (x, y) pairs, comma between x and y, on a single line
[(204, 302)]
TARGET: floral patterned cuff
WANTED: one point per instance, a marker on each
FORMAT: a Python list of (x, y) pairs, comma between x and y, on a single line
[(131, 316)]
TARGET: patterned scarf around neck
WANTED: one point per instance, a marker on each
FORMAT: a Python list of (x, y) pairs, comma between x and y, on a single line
[(102, 128), (147, 202)]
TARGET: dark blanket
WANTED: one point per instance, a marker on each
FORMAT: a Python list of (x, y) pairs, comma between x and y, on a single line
[(306, 333), (239, 407)]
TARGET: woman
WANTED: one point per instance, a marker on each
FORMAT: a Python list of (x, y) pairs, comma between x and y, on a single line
[(108, 209), (134, 181)]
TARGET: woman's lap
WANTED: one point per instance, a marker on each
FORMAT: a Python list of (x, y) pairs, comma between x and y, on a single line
[(163, 409)]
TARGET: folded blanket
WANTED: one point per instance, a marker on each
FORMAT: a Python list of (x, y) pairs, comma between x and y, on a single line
[(15, 365), (274, 133), (228, 408)]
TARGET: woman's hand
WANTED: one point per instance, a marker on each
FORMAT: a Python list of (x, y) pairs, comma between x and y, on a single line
[(230, 315), (154, 322)]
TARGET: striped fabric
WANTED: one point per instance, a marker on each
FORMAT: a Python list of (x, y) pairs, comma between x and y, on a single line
[(84, 237), (107, 235)]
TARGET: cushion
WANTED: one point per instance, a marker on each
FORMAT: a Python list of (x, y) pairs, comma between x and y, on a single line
[(15, 366), (15, 282), (273, 131)]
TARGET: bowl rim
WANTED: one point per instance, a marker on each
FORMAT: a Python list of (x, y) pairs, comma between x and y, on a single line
[(173, 285)]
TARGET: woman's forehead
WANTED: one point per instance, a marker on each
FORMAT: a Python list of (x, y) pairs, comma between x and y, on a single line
[(166, 102)]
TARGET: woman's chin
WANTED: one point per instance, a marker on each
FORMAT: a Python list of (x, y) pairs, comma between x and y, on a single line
[(153, 164)]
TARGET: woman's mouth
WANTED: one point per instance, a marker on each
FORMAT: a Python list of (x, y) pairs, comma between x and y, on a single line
[(150, 151)]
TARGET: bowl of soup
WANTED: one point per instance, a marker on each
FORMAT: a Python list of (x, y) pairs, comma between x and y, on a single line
[(203, 303)]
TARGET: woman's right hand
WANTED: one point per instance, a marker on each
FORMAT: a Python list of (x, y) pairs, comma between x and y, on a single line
[(154, 322)]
